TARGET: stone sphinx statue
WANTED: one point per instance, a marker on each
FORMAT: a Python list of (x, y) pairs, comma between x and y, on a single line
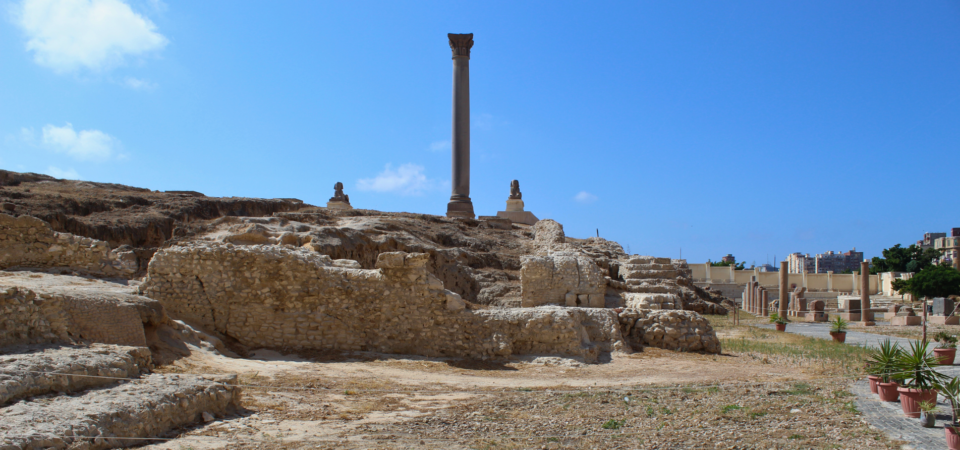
[(338, 195), (339, 199), (515, 190)]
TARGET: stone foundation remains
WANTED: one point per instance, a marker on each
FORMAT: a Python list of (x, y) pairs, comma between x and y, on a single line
[(30, 242), (80, 310), (144, 407), (677, 330), (561, 280), (41, 370), (275, 297)]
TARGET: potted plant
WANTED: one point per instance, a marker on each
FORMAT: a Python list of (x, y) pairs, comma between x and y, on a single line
[(946, 350), (882, 366), (951, 390), (914, 366), (928, 414), (838, 329), (779, 322)]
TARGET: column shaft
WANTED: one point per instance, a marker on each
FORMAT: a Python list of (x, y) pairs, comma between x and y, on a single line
[(866, 316), (764, 304), (460, 204), (784, 295)]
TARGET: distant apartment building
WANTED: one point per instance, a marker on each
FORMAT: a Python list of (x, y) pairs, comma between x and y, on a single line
[(800, 263), (929, 239), (950, 246), (836, 262), (729, 259)]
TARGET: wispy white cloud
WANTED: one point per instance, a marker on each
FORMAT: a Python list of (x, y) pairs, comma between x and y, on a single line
[(437, 146), (584, 197), (157, 5), (68, 174), (87, 145), (66, 35), (408, 179), (139, 84), (484, 121)]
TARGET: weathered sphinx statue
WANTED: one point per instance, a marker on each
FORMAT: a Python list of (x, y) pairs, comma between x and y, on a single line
[(338, 195), (515, 190)]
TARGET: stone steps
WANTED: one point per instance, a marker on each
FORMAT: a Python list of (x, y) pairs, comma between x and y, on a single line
[(647, 260), (28, 371), (142, 408), (648, 274), (651, 301), (648, 267)]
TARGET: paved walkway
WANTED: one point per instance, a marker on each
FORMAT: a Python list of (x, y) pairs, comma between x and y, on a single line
[(886, 416)]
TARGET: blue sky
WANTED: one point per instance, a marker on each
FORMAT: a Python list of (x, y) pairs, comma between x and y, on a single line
[(753, 128)]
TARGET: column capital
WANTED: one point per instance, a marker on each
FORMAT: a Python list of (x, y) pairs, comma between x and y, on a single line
[(460, 44)]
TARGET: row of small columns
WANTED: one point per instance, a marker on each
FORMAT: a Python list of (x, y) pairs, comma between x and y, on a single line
[(755, 298), (756, 301)]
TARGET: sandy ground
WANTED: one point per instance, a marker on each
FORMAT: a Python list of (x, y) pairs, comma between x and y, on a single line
[(324, 398)]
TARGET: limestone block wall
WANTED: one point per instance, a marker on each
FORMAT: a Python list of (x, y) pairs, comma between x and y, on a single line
[(26, 318), (563, 280), (278, 297), (103, 320), (26, 241), (669, 329)]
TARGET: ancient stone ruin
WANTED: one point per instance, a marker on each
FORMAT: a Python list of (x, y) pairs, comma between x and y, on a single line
[(301, 279)]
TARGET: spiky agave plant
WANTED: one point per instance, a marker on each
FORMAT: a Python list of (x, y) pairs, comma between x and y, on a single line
[(882, 360), (838, 325), (915, 367), (951, 390)]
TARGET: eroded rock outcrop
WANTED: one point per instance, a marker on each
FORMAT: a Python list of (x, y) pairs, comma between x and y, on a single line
[(277, 297)]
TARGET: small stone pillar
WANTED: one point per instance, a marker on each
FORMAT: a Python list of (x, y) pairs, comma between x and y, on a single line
[(746, 295), (866, 316), (339, 199), (764, 303), (460, 204), (784, 293)]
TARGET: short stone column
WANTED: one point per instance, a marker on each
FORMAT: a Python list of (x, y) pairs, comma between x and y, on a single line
[(764, 304), (460, 204), (866, 316), (784, 293)]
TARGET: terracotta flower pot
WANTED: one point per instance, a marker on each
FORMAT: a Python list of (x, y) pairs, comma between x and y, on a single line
[(910, 400), (953, 440), (838, 336), (781, 327), (888, 391), (874, 379), (945, 355)]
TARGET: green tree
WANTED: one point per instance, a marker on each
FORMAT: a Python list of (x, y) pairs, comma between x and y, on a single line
[(904, 259), (727, 264), (935, 281)]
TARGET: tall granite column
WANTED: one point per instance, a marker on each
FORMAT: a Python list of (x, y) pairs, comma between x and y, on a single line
[(866, 316), (784, 292), (460, 204)]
